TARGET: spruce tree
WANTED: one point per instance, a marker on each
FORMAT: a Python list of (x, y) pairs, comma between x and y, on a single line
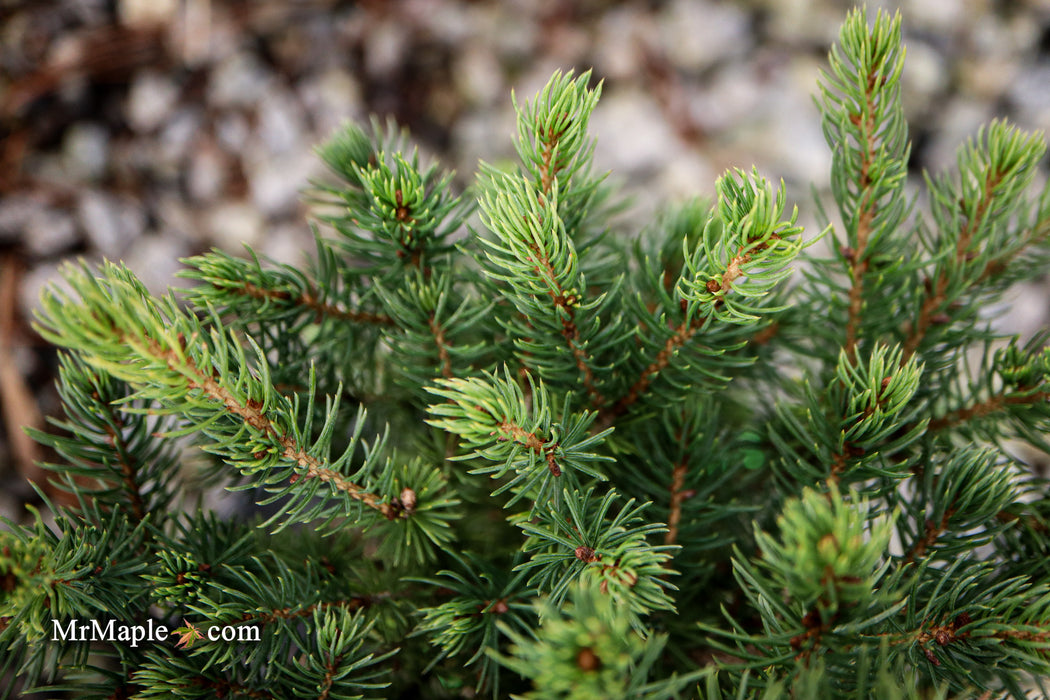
[(501, 449)]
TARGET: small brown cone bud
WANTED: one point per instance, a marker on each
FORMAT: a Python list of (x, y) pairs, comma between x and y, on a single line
[(587, 660), (586, 554), (408, 500)]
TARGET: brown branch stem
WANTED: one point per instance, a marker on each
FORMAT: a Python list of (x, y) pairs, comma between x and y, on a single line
[(442, 346), (677, 497), (937, 297), (311, 302), (566, 302), (128, 471), (682, 334), (986, 407), (531, 441), (253, 416), (857, 257)]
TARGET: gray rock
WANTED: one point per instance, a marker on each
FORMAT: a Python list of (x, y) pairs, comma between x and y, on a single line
[(282, 123), (330, 98), (178, 221), (803, 21), (49, 231), (233, 224), (961, 120), (232, 131), (385, 46), (735, 92), (478, 75), (111, 223), (452, 22), (924, 80), (177, 140), (622, 32), (36, 280), (207, 173), (515, 34), (1025, 311), (16, 210), (942, 16), (483, 136), (86, 150), (291, 244), (276, 182), (155, 260), (239, 81), (151, 99), (695, 33), (633, 136), (1031, 93)]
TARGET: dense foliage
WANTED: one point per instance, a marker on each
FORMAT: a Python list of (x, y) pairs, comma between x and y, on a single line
[(499, 448)]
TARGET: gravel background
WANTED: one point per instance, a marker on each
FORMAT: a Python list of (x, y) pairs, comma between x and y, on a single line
[(147, 130)]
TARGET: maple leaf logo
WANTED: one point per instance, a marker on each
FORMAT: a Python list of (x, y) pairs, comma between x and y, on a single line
[(187, 635)]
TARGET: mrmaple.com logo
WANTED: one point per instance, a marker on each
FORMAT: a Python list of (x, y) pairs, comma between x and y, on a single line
[(76, 630)]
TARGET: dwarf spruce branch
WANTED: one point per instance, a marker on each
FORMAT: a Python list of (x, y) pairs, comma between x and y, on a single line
[(489, 414), (248, 293), (114, 458), (532, 240), (974, 215), (206, 376), (727, 273), (864, 123), (608, 463)]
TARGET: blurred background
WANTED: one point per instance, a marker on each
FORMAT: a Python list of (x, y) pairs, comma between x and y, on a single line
[(148, 130)]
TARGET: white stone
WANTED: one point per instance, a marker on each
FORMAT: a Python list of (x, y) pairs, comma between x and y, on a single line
[(988, 77), (331, 98), (49, 232), (1031, 93), (733, 95), (281, 122), (478, 75), (276, 183), (155, 260), (178, 138), (924, 79), (86, 150), (239, 81), (36, 280), (515, 34), (453, 23), (147, 12), (685, 177), (697, 33), (232, 225), (232, 131), (385, 47), (178, 221), (291, 244), (151, 99), (111, 223), (207, 173), (1026, 312), (621, 34), (940, 15), (803, 20), (487, 136), (961, 120), (632, 133), (16, 210)]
